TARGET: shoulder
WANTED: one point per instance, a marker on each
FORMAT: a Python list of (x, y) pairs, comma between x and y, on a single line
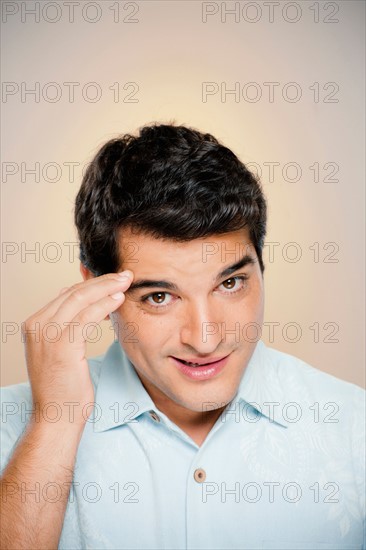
[(324, 403), (301, 380), (325, 412)]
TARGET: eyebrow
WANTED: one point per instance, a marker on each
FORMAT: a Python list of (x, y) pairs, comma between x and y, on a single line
[(149, 283)]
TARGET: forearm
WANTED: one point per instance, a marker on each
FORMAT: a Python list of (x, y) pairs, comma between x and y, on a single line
[(35, 486)]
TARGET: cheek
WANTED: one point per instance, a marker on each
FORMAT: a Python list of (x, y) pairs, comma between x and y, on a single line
[(152, 331), (247, 315), (126, 323), (243, 314)]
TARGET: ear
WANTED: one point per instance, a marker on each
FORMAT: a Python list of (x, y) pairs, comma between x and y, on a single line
[(87, 274)]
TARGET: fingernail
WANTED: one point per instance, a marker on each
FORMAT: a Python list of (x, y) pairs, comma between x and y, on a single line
[(117, 295)]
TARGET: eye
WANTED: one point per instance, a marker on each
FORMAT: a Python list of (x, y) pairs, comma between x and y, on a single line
[(234, 284), (157, 299)]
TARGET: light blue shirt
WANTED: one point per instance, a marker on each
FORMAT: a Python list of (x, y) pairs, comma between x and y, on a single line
[(283, 467)]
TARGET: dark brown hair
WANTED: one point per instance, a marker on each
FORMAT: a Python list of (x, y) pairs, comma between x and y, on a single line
[(171, 182)]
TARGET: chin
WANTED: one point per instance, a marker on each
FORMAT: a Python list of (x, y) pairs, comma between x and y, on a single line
[(205, 405)]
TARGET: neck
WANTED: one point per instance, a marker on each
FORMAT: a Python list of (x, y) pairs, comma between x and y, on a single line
[(197, 424)]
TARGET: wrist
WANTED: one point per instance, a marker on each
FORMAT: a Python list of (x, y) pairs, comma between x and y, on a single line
[(58, 431), (61, 413)]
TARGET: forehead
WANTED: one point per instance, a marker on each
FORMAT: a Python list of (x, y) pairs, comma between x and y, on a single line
[(143, 251)]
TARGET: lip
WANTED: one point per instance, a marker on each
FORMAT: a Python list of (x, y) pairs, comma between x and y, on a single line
[(204, 372)]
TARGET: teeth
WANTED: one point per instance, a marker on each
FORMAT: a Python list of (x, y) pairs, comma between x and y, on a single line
[(192, 364)]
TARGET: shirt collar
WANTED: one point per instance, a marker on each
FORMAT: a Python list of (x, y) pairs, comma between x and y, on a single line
[(121, 397), (260, 386)]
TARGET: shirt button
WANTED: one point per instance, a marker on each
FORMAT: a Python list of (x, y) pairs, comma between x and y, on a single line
[(199, 475), (154, 416)]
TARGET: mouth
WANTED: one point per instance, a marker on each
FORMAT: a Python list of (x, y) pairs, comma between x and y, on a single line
[(201, 369), (200, 363)]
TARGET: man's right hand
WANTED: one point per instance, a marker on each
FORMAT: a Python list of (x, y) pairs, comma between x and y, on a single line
[(55, 346)]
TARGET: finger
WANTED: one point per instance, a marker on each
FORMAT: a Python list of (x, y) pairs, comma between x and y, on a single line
[(93, 314), (111, 290), (63, 290), (50, 309)]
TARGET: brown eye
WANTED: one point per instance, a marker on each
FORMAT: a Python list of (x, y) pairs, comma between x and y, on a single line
[(234, 284), (158, 300), (158, 297), (229, 283)]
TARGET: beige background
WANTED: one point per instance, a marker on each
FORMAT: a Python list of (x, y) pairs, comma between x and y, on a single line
[(168, 53)]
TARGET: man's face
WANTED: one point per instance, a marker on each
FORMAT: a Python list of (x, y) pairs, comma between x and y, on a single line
[(193, 312)]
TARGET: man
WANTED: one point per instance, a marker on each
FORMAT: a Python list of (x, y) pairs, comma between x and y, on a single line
[(188, 432)]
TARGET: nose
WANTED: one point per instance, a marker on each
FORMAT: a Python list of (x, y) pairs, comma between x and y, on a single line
[(201, 327)]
